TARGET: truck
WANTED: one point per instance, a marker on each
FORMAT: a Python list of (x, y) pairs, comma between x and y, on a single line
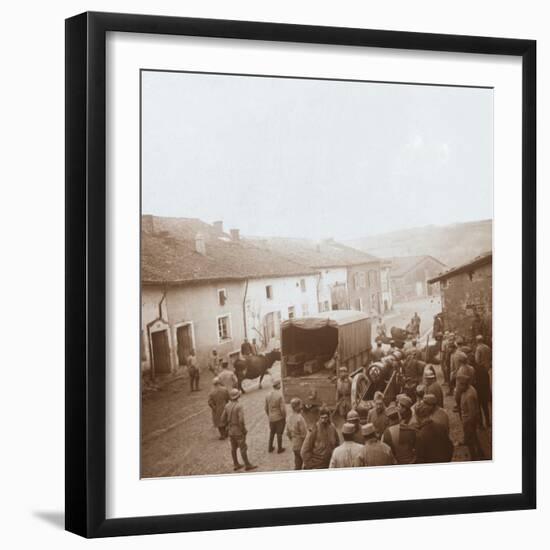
[(314, 347)]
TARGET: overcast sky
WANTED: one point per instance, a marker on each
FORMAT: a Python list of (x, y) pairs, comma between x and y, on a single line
[(316, 159)]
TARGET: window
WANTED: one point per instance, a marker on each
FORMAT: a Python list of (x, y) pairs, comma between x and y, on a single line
[(224, 328), (358, 304), (362, 280), (222, 296), (269, 292), (305, 310), (303, 285), (291, 312)]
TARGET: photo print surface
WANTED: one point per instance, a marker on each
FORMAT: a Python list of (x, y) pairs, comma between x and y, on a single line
[(316, 274)]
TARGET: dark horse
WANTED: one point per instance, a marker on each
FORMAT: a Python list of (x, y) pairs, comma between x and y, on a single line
[(253, 366)]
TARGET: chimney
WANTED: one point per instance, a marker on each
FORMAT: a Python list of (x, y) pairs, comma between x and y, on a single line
[(200, 246), (218, 227), (234, 234)]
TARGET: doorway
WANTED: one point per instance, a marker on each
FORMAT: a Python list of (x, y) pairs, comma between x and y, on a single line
[(161, 352), (184, 340)]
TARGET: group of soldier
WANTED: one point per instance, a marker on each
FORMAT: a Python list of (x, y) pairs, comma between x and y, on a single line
[(414, 428)]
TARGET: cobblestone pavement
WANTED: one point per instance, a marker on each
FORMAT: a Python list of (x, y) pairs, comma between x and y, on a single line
[(178, 437)]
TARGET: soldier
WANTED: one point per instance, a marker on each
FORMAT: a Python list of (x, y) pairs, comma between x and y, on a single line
[(377, 415), (217, 399), (228, 378), (401, 437), (466, 369), (194, 371), (420, 392), (214, 362), (354, 418), (436, 413), (469, 413), (377, 353), (432, 440), (348, 454), (416, 324), (432, 385), (233, 419), (276, 413), (254, 346), (343, 392), (320, 441), (246, 348), (483, 356), (483, 386), (445, 366), (296, 431), (376, 453)]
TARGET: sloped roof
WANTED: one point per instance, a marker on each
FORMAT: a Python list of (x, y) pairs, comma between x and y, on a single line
[(327, 253), (400, 265), (478, 261), (168, 255)]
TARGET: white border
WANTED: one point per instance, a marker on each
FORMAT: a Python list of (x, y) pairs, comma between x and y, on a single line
[(127, 495)]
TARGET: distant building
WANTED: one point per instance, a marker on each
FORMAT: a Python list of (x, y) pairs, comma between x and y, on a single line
[(348, 278), (467, 297), (203, 288), (410, 274)]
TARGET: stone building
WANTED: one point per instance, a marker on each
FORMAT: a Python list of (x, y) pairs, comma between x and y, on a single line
[(348, 278), (467, 298), (410, 274), (206, 289)]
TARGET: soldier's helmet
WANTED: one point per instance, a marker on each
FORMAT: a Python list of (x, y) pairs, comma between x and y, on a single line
[(352, 416), (234, 394)]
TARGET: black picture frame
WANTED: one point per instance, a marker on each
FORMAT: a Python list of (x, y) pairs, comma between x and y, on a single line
[(86, 273)]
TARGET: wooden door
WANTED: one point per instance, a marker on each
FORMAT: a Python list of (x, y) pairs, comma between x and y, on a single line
[(161, 352), (184, 342)]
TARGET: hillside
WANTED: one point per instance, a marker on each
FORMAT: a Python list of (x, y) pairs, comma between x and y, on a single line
[(452, 244)]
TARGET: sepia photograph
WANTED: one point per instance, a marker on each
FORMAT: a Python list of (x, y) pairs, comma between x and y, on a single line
[(316, 274)]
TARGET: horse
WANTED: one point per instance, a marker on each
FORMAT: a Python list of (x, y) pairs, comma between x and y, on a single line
[(254, 366)]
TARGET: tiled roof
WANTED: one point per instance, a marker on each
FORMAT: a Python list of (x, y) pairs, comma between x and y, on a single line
[(478, 261), (400, 265), (327, 253), (168, 254)]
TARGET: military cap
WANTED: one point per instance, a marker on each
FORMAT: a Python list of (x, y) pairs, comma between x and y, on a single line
[(404, 400), (398, 355), (216, 380), (429, 372), (348, 428), (234, 394), (479, 338), (368, 429), (392, 411), (352, 415), (430, 399), (276, 383), (378, 396), (343, 370)]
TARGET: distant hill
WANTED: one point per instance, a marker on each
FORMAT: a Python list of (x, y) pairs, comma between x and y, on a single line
[(452, 244)]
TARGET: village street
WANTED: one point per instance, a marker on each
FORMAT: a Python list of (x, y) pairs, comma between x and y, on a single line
[(178, 437)]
